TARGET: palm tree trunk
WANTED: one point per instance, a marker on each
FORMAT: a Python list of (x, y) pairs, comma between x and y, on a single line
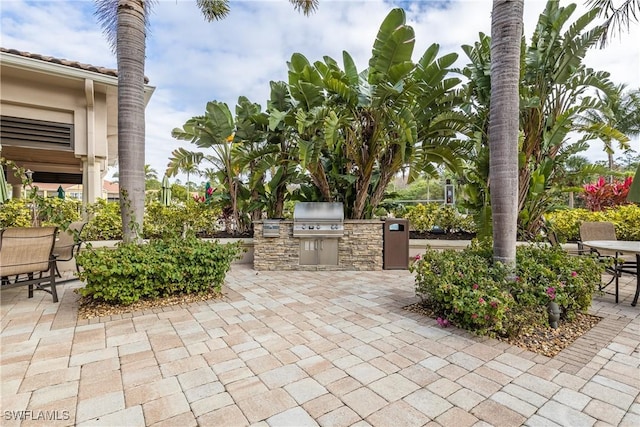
[(506, 33), (131, 125), (611, 165)]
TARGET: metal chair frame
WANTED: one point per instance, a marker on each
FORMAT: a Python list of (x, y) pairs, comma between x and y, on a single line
[(601, 230), (27, 252)]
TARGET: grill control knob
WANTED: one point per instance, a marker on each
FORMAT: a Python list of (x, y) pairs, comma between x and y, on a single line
[(303, 226), (317, 227)]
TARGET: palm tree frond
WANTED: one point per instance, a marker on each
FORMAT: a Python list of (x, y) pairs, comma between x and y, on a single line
[(107, 14), (213, 10), (616, 18), (306, 6), (183, 160)]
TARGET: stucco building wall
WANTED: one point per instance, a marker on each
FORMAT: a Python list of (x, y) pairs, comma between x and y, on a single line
[(47, 89)]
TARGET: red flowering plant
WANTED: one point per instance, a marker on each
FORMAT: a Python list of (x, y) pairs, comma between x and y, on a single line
[(602, 194), (206, 198)]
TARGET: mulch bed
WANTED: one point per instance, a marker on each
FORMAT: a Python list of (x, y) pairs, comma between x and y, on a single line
[(90, 308), (412, 235), (225, 235), (538, 339), (441, 236)]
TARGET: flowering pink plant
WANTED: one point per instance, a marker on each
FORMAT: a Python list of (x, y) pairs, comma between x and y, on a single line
[(551, 292), (414, 263), (442, 322)]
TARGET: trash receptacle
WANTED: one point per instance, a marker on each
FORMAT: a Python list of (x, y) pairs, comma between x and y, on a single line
[(395, 244)]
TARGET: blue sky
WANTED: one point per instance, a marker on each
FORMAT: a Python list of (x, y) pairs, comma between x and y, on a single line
[(190, 61)]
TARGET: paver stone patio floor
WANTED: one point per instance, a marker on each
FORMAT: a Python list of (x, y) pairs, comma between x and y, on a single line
[(305, 349)]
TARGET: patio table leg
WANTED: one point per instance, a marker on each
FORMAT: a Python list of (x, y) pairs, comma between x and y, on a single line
[(52, 272), (635, 297)]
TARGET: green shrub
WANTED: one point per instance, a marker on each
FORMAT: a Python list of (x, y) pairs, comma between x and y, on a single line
[(161, 220), (55, 211), (550, 273), (424, 217), (105, 222), (464, 288), (50, 211), (447, 218), (626, 218), (156, 269), (467, 223), (468, 289), (566, 223), (15, 213)]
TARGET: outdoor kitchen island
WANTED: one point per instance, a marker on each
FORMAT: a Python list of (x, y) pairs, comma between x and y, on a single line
[(318, 238)]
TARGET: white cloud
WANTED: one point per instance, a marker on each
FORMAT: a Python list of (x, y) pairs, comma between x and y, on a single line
[(191, 61)]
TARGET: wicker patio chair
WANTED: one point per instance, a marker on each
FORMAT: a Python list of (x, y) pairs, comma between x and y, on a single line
[(68, 243), (26, 259), (601, 230), (552, 238)]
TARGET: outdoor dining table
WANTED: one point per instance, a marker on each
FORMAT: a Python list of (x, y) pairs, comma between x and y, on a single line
[(620, 246)]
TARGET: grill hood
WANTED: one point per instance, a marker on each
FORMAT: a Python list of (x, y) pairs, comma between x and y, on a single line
[(318, 219), (318, 211)]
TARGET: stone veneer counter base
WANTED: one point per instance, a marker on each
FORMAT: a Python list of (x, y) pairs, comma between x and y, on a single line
[(360, 249)]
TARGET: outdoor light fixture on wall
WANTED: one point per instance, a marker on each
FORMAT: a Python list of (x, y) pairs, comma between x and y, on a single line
[(449, 197)]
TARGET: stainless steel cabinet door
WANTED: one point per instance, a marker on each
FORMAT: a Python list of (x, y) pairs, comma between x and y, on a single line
[(328, 252), (308, 252)]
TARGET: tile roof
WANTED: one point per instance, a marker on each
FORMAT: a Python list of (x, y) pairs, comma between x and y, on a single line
[(108, 186), (65, 62)]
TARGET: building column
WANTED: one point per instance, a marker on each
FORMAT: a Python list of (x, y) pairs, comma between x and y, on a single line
[(16, 191), (91, 178), (91, 181)]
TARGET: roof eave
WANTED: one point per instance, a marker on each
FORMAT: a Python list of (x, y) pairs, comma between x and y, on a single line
[(65, 71)]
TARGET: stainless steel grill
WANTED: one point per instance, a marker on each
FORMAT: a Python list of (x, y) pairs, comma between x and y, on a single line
[(318, 219)]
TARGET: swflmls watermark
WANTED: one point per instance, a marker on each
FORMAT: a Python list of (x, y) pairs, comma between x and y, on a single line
[(35, 415)]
